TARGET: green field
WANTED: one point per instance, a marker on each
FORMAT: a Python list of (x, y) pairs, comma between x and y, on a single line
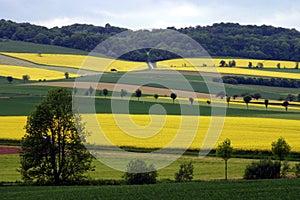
[(28, 47), (19, 99), (262, 189)]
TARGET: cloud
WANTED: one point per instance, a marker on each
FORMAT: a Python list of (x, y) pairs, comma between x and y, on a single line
[(59, 22), (146, 14)]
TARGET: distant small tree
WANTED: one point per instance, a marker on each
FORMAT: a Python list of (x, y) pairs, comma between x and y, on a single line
[(105, 92), (173, 96), (256, 96), (91, 90), (155, 96), (260, 65), (290, 97), (297, 65), (221, 94), (67, 75), (235, 96), (228, 100), (123, 93), (222, 63), (247, 100), (191, 99), (232, 63), (139, 173), (9, 79), (280, 149), (250, 65), (266, 103), (224, 150), (208, 102), (278, 65), (285, 104), (138, 94), (185, 173), (25, 78)]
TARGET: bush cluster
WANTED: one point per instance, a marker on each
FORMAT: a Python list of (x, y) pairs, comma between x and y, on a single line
[(263, 169)]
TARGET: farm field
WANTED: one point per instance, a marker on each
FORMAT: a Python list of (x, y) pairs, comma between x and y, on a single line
[(246, 137), (262, 189), (34, 73), (177, 65), (239, 62), (80, 61), (251, 129), (207, 168)]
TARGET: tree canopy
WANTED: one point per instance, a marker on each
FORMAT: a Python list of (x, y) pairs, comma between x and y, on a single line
[(220, 39), (52, 151)]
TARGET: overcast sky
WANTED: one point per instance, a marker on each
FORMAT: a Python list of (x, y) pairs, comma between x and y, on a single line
[(147, 14)]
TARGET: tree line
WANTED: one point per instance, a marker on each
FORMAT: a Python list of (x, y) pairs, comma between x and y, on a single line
[(276, 82), (222, 39)]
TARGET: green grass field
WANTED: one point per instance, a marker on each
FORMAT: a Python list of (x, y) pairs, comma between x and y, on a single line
[(262, 189), (19, 99)]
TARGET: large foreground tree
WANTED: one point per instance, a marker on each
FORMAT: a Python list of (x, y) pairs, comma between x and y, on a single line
[(52, 151)]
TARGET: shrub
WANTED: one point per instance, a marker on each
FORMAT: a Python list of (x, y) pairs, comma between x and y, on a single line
[(264, 169), (139, 173), (185, 173)]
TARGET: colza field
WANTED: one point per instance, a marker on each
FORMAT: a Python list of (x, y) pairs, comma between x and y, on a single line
[(141, 131)]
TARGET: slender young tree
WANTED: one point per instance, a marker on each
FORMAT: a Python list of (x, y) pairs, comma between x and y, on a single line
[(138, 94), (105, 92), (266, 103), (247, 100), (224, 150), (155, 96), (173, 96)]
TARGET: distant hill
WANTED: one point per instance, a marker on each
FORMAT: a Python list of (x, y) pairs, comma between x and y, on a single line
[(220, 40), (29, 47)]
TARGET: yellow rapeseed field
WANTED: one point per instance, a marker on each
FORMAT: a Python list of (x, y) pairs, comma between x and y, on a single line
[(239, 62), (245, 133), (177, 64), (80, 61), (34, 73), (12, 127)]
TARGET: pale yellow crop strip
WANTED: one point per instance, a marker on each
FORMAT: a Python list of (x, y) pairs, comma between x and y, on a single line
[(194, 64), (34, 73), (216, 61), (246, 133), (80, 61)]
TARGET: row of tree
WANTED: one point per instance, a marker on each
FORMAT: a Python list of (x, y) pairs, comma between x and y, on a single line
[(264, 168), (275, 82), (223, 39)]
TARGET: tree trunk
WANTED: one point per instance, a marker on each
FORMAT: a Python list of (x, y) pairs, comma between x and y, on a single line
[(225, 169)]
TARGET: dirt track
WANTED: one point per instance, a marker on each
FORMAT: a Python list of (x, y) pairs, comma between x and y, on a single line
[(128, 88), (9, 150)]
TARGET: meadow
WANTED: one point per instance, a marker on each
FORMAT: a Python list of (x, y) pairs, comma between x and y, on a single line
[(262, 189)]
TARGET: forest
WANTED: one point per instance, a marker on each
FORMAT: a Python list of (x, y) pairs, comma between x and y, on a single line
[(219, 40)]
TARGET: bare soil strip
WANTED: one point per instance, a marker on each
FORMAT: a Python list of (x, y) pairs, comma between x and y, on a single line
[(128, 88), (8, 150)]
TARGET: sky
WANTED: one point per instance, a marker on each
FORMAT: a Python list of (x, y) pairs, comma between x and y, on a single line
[(148, 14)]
